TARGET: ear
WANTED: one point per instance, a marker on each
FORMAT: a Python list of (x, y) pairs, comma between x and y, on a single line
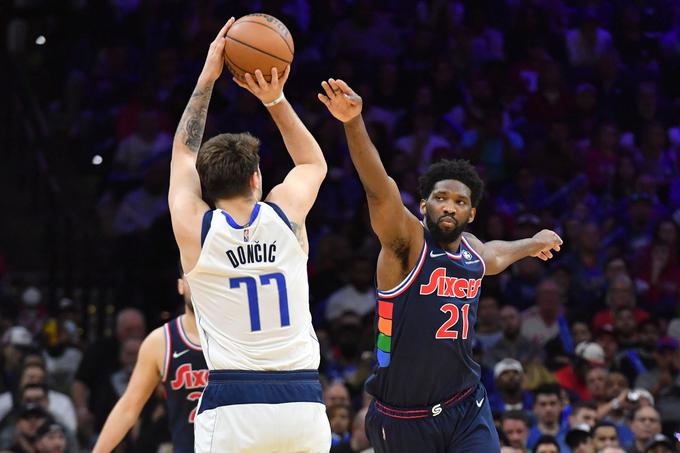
[(473, 213), (254, 180), (423, 207), (180, 286)]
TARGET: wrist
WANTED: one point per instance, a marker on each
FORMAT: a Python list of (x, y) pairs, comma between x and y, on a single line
[(278, 100), (353, 121), (205, 81)]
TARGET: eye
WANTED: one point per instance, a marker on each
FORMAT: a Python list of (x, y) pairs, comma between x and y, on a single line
[(462, 202), (439, 198)]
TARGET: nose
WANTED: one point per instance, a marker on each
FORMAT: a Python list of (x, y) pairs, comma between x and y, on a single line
[(449, 208)]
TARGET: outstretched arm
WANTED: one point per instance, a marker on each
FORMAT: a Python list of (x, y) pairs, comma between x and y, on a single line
[(184, 196), (390, 220), (143, 381), (297, 193), (498, 255)]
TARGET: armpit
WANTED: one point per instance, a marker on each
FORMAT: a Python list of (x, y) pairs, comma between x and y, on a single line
[(299, 231)]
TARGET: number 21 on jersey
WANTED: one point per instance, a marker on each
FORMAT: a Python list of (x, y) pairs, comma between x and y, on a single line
[(454, 312), (253, 301)]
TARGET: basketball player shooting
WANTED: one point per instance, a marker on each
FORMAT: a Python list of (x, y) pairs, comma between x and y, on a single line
[(169, 355), (246, 264), (426, 386)]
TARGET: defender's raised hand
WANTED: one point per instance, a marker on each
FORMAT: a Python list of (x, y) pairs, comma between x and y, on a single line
[(214, 62), (546, 241), (343, 103)]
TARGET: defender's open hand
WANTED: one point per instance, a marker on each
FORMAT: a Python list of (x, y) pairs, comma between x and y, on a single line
[(340, 99)]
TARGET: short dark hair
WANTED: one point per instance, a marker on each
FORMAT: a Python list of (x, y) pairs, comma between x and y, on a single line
[(577, 406), (546, 439), (458, 169), (548, 389), (605, 423), (225, 164), (516, 415)]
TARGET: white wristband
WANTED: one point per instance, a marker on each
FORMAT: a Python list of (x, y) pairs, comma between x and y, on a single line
[(275, 101)]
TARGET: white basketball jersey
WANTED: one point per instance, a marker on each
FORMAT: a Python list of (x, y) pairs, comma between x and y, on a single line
[(251, 294)]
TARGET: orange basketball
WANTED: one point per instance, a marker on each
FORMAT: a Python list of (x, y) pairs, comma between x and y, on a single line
[(258, 41)]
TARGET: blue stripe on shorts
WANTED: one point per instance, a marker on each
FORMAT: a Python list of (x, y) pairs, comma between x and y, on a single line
[(227, 388)]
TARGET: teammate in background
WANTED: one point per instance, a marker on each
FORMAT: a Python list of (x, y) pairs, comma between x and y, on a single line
[(428, 395), (170, 354), (246, 263)]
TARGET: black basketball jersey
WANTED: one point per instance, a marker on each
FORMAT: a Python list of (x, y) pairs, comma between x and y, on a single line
[(425, 329), (185, 375)]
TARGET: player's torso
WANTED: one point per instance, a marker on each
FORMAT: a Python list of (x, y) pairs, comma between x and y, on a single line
[(425, 328), (185, 375), (251, 294)]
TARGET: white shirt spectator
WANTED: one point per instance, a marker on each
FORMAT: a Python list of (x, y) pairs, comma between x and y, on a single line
[(535, 328), (60, 407), (348, 298)]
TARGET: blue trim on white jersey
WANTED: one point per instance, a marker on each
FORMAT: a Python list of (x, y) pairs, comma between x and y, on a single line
[(205, 227), (230, 387), (280, 213), (253, 215)]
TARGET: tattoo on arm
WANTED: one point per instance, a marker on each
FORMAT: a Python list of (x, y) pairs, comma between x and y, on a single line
[(299, 232), (192, 124)]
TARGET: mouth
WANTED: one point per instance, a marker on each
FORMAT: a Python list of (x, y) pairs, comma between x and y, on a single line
[(448, 222)]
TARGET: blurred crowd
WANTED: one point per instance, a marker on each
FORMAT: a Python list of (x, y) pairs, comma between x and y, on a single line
[(570, 109)]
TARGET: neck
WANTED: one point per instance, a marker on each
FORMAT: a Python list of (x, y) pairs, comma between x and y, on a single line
[(512, 396), (189, 324), (239, 208), (552, 428)]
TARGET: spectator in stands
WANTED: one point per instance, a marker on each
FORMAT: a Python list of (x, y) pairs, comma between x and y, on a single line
[(573, 377), (16, 342), (620, 294), (542, 323), (515, 426), (547, 444), (635, 361), (660, 444), (488, 329), (20, 438), (605, 435), (357, 296), (336, 394), (358, 443), (59, 404), (513, 344), (579, 439), (582, 413), (97, 366), (339, 416), (50, 438), (666, 370), (509, 394), (547, 410), (646, 424)]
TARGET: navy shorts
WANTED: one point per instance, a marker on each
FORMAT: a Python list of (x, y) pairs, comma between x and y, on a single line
[(463, 424)]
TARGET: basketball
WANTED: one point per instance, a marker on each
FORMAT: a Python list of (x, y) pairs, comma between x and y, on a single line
[(258, 41)]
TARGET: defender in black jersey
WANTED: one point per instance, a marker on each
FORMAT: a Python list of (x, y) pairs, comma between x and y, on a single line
[(426, 386), (170, 355)]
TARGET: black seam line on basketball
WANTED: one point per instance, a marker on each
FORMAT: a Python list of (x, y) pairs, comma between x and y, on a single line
[(259, 50), (271, 28), (245, 70)]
